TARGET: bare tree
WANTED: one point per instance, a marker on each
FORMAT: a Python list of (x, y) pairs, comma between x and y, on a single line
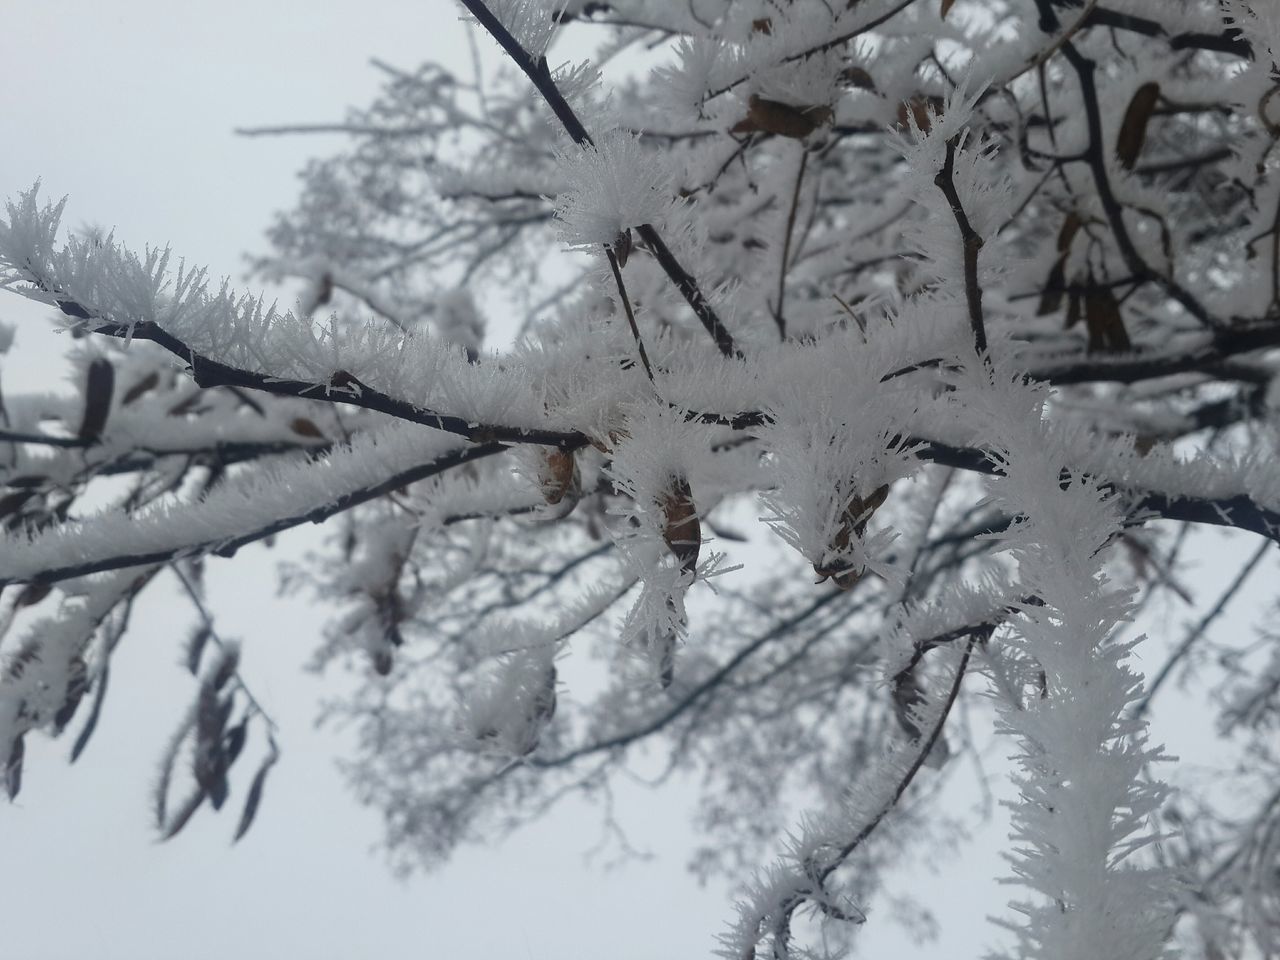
[(979, 302)]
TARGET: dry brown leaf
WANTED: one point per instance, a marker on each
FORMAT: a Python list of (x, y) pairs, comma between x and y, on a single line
[(149, 382), (1105, 322), (1051, 298), (97, 399), (682, 531), (853, 523), (557, 474), (921, 109), (306, 428), (1133, 129), (857, 77), (782, 119)]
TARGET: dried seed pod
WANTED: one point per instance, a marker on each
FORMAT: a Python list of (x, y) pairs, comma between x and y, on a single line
[(682, 530)]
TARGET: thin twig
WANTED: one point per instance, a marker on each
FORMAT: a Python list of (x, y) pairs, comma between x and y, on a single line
[(786, 247), (631, 317), (539, 74), (972, 245), (1199, 629)]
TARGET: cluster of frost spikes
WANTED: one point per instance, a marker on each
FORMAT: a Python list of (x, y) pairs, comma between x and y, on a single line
[(1083, 805), (611, 186)]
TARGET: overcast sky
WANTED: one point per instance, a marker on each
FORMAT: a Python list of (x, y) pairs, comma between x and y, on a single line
[(129, 108)]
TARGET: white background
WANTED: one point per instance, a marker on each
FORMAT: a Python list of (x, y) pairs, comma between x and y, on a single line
[(129, 108)]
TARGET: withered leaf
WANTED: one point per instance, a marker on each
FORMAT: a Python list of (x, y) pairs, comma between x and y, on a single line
[(254, 797), (857, 77), (1104, 321), (1070, 227), (97, 399), (149, 382), (91, 723), (853, 523), (1051, 298), (682, 530), (946, 8), (1073, 310), (323, 293), (234, 741), (13, 768), (1133, 128), (667, 662), (921, 109), (306, 428), (762, 25), (195, 647), (782, 119), (907, 696), (622, 247), (73, 309), (557, 474), (77, 686), (12, 503), (32, 594)]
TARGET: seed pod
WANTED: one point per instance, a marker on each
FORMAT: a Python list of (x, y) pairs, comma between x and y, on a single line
[(682, 531)]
